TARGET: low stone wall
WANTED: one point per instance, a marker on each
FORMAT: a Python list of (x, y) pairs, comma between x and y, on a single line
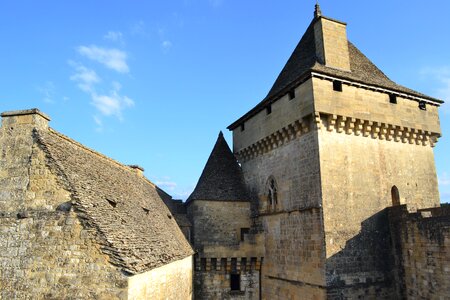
[(422, 251), (172, 281)]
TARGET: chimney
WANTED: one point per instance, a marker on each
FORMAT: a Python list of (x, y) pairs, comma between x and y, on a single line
[(138, 169), (31, 117), (331, 42)]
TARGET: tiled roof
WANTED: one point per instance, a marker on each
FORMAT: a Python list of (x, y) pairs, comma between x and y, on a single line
[(222, 177), (134, 226), (303, 61)]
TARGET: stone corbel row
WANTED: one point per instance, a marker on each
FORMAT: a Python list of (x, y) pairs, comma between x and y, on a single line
[(246, 264), (379, 130), (275, 140)]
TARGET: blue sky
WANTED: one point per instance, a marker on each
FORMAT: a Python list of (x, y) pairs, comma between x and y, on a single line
[(153, 82)]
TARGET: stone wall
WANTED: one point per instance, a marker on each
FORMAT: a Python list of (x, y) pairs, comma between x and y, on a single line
[(422, 252), (171, 281), (294, 258), (49, 255), (361, 163), (212, 278)]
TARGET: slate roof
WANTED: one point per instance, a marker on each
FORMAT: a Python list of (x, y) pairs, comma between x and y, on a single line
[(222, 177), (303, 61), (134, 226)]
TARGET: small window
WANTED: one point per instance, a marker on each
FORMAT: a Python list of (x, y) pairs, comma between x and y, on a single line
[(233, 264), (244, 264), (291, 94), (337, 86), (269, 109), (395, 196), (203, 264), (214, 264), (242, 126), (235, 282), (223, 264), (244, 231), (253, 261), (392, 99), (422, 105), (272, 194)]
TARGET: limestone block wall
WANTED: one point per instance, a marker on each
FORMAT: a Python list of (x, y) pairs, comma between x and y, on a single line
[(171, 281), (218, 222), (212, 278), (422, 251), (294, 259), (284, 113), (49, 255), (369, 148)]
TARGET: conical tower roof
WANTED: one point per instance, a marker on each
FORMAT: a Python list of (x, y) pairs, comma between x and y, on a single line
[(222, 177)]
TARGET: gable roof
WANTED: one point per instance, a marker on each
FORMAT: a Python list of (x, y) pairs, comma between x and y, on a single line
[(222, 177), (134, 226), (303, 62)]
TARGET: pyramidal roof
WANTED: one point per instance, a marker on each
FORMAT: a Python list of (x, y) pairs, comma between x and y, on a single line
[(222, 177), (304, 61)]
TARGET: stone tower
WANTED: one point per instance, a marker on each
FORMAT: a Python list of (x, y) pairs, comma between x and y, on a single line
[(333, 144), (228, 258)]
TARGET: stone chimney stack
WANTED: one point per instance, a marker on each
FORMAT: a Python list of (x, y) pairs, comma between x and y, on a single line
[(331, 41), (30, 117), (138, 169)]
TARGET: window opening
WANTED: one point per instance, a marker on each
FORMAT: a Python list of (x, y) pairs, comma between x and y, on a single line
[(235, 282), (269, 109), (395, 196), (392, 99), (243, 264), (243, 232), (214, 264), (273, 194), (203, 264), (291, 94), (112, 203), (337, 86), (242, 126), (233, 264), (422, 105)]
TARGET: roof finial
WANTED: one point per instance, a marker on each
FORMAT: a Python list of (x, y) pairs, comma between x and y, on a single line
[(317, 12)]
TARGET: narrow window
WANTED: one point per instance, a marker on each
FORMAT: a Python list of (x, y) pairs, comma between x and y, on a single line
[(242, 126), (243, 232), (272, 194), (146, 210), (203, 264), (291, 94), (422, 105), (253, 261), (395, 196), (235, 282), (337, 86), (223, 264), (243, 264), (214, 264), (392, 99), (269, 109), (233, 264)]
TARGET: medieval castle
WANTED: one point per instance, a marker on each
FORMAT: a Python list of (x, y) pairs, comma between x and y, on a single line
[(330, 192)]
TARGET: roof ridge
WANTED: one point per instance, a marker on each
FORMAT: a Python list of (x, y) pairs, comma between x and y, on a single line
[(98, 154)]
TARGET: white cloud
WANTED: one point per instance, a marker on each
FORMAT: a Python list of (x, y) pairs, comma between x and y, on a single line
[(112, 104), (85, 77), (114, 36), (47, 90), (442, 76), (112, 58), (169, 185), (444, 179), (108, 104), (139, 28)]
